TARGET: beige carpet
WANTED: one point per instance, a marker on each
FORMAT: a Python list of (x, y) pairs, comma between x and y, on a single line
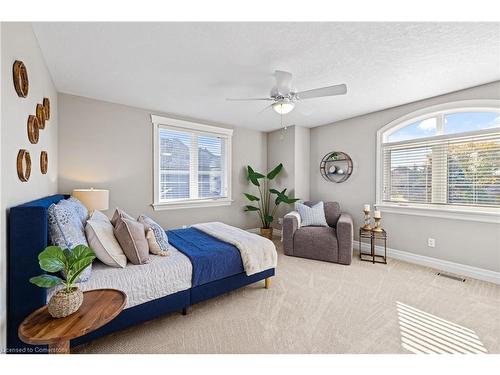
[(317, 307)]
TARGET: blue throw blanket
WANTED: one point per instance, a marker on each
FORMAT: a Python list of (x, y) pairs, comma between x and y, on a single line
[(212, 259)]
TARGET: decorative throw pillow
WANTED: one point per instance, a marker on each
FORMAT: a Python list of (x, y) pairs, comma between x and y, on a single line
[(154, 248), (66, 230), (159, 234), (120, 213), (99, 216), (312, 216), (102, 241), (78, 208), (130, 234)]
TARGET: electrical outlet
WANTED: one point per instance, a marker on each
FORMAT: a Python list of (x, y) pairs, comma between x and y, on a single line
[(280, 220), (431, 242)]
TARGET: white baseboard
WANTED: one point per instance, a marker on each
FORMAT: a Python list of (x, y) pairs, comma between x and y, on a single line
[(439, 264)]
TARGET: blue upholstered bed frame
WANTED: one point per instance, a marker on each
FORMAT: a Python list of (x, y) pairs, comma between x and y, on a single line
[(28, 235)]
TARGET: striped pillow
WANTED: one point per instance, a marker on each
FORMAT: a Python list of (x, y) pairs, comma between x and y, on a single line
[(312, 216)]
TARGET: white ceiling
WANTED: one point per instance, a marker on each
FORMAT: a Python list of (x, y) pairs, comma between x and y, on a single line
[(188, 69)]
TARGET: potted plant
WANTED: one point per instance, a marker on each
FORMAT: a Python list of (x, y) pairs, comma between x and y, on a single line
[(263, 208), (333, 156), (72, 263)]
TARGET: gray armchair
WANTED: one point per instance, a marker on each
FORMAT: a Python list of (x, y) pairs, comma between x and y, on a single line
[(331, 244)]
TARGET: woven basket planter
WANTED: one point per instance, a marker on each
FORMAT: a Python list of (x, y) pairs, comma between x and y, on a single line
[(267, 232), (63, 304)]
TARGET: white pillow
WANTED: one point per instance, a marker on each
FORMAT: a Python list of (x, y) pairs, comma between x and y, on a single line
[(103, 242), (312, 216), (154, 248), (99, 216)]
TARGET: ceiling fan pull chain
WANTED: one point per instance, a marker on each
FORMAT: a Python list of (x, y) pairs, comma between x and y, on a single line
[(281, 117)]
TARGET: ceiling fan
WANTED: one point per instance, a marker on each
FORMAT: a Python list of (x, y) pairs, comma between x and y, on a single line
[(284, 97)]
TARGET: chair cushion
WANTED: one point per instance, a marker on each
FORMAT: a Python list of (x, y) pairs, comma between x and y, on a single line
[(316, 243), (332, 211), (311, 215)]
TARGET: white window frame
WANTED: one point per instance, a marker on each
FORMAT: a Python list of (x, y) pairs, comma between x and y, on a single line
[(161, 122), (482, 214)]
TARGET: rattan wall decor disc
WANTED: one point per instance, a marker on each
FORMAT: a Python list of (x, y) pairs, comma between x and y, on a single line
[(44, 162), (33, 133), (46, 105), (40, 115), (23, 165), (20, 75)]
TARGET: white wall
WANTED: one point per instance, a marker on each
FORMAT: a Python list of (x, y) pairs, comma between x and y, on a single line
[(107, 145), (19, 43), (470, 243)]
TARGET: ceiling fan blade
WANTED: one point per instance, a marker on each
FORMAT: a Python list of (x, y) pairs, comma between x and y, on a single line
[(265, 108), (283, 82), (323, 91), (247, 99)]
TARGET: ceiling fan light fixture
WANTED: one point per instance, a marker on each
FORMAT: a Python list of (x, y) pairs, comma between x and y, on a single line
[(283, 107)]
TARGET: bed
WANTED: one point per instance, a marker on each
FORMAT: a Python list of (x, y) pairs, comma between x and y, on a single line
[(28, 235)]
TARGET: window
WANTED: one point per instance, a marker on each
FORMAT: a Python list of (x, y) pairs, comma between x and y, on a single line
[(444, 159), (191, 164)]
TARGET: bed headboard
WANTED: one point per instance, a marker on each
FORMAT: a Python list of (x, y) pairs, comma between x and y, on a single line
[(28, 236)]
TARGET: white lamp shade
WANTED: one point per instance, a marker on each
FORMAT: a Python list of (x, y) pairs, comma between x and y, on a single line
[(93, 199)]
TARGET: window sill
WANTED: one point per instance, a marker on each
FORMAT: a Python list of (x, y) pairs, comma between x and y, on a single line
[(192, 204), (457, 213)]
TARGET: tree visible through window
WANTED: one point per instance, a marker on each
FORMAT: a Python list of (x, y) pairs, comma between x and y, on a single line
[(191, 165), (452, 158)]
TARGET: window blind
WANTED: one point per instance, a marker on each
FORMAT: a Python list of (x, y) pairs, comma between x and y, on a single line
[(444, 170), (192, 165)]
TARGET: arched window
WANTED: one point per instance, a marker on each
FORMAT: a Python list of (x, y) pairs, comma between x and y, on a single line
[(446, 157)]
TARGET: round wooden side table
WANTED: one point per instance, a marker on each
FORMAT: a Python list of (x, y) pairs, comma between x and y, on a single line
[(99, 307)]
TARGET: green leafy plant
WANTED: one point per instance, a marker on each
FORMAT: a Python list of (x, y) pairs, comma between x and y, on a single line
[(72, 262), (333, 156), (263, 202)]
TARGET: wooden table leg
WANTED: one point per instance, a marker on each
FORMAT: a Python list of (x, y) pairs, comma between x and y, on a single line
[(61, 347)]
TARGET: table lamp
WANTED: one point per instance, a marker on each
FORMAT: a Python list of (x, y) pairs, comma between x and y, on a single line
[(93, 199)]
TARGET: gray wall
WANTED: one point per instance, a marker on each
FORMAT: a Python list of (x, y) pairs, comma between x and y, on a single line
[(280, 149), (19, 43), (105, 145), (290, 147), (302, 156), (471, 243)]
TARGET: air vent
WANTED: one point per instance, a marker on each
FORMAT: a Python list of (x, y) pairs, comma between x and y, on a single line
[(453, 277)]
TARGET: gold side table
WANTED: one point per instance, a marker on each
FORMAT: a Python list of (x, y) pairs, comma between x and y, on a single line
[(374, 236)]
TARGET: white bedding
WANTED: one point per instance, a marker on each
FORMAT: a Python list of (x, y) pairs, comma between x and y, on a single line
[(171, 274), (257, 253), (142, 283)]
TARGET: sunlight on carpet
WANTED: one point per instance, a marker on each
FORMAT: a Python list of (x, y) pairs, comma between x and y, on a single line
[(422, 332)]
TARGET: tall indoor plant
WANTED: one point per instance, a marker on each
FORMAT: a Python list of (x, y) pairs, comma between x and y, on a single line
[(264, 208), (71, 263)]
